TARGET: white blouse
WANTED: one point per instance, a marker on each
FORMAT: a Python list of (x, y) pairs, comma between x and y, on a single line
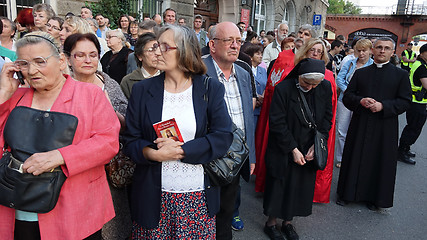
[(177, 176)]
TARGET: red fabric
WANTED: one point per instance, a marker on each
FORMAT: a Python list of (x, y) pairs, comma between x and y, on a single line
[(322, 188), (85, 203), (281, 68)]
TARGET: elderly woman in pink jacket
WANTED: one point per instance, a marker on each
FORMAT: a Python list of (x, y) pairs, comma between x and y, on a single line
[(84, 203)]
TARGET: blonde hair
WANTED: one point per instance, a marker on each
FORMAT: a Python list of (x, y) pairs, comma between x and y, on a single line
[(302, 53), (120, 35), (79, 25), (363, 44)]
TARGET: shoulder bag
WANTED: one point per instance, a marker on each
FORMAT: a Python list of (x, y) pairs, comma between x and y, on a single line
[(28, 131), (223, 170), (320, 140)]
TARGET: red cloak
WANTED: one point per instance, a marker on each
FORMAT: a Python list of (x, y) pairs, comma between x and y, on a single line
[(282, 66)]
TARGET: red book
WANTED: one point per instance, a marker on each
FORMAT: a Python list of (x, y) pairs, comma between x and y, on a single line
[(168, 129)]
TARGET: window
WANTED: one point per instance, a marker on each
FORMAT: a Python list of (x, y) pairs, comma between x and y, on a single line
[(11, 8), (259, 23), (147, 7), (289, 16)]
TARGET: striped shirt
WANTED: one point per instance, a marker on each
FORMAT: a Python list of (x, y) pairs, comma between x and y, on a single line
[(232, 96)]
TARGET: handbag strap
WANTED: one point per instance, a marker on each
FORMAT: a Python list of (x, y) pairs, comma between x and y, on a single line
[(307, 109)]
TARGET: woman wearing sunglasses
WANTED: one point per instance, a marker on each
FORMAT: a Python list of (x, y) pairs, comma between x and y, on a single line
[(171, 197)]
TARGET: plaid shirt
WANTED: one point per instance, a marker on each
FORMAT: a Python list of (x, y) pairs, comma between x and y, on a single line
[(232, 96)]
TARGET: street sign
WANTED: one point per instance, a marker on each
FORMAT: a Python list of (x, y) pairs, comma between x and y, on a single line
[(317, 19)]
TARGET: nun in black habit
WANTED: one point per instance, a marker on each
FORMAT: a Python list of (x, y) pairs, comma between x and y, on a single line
[(291, 175)]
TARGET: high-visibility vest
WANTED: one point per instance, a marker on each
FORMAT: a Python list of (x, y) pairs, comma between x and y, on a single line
[(409, 58), (415, 88)]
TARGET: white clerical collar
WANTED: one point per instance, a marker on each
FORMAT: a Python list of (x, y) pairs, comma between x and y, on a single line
[(380, 65)]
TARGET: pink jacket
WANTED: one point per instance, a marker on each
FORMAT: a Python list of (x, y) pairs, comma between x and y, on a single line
[(85, 203)]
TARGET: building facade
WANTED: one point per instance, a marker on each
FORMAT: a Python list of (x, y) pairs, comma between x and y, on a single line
[(261, 14)]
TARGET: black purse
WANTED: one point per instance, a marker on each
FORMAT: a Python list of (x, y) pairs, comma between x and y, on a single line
[(223, 170), (320, 140), (28, 131)]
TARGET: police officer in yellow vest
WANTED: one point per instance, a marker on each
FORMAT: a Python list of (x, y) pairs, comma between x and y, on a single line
[(408, 58), (416, 115)]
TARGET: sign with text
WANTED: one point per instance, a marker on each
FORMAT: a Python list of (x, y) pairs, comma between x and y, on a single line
[(317, 20), (244, 17)]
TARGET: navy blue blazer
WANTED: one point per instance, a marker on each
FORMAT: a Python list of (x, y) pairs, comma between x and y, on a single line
[(145, 109), (245, 88)]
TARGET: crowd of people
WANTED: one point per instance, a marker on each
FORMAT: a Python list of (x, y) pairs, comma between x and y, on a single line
[(279, 88)]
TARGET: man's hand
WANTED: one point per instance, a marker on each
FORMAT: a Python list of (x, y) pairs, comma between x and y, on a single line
[(376, 107), (367, 102)]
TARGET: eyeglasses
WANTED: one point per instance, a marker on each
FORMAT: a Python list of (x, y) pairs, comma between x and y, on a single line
[(229, 41), (108, 37), (318, 51), (381, 48), (81, 56), (164, 47), (151, 49), (39, 62), (54, 27)]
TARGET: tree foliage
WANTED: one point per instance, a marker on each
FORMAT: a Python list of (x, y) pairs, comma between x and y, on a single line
[(343, 7), (112, 9)]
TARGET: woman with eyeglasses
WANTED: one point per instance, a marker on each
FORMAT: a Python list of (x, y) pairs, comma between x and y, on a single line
[(84, 203), (314, 49), (82, 52), (171, 197), (146, 59), (114, 62), (54, 27)]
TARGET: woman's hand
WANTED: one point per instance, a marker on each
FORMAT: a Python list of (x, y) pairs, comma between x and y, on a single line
[(8, 84), (310, 154), (39, 163), (168, 150), (298, 157)]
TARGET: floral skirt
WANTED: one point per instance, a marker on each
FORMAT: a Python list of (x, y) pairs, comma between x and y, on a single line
[(183, 216)]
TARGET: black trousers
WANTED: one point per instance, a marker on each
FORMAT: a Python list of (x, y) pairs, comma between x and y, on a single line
[(225, 214), (30, 231), (416, 116)]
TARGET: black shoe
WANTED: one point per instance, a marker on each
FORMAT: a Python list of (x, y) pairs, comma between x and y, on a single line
[(341, 202), (410, 154), (406, 159), (273, 233), (372, 207), (290, 232)]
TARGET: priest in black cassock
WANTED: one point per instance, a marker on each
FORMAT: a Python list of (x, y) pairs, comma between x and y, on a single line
[(377, 94)]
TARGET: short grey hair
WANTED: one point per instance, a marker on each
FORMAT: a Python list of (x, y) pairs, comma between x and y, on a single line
[(309, 28), (189, 52), (385, 39), (120, 35), (36, 38), (45, 8), (315, 76), (93, 21), (280, 24)]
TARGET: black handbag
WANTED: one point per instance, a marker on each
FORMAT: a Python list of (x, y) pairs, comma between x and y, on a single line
[(223, 170), (320, 140), (28, 131)]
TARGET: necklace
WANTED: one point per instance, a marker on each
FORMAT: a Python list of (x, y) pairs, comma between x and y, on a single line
[(178, 90)]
